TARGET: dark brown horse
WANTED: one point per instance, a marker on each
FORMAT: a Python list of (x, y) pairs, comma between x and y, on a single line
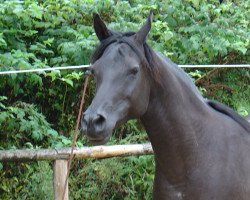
[(202, 148)]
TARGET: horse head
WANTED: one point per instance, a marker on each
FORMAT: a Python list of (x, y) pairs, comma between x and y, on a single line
[(120, 69)]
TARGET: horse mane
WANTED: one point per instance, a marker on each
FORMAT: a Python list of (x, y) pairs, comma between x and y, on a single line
[(229, 112), (146, 57)]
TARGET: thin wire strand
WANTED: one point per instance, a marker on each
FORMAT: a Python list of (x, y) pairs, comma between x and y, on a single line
[(87, 66), (44, 69), (216, 66)]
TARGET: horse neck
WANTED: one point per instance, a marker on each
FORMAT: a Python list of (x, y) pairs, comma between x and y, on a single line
[(171, 122)]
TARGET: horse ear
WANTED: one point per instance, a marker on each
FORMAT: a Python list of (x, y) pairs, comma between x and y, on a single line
[(100, 28), (141, 35)]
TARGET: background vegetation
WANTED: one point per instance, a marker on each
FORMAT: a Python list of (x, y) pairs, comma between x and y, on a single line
[(38, 110)]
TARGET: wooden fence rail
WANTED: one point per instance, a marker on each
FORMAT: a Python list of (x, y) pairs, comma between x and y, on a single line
[(83, 152), (60, 156)]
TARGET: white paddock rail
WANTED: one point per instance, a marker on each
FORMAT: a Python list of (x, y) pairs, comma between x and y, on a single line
[(87, 66)]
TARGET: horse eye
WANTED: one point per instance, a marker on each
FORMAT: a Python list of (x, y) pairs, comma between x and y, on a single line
[(134, 70)]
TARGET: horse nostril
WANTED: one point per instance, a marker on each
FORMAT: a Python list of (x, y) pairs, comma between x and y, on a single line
[(99, 120), (92, 123)]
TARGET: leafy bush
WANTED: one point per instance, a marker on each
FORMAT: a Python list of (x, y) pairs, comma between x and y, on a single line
[(22, 126), (26, 181)]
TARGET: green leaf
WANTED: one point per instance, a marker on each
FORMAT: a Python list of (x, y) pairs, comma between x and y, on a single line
[(29, 145), (54, 74), (2, 41), (3, 116), (68, 81), (36, 135), (52, 132), (2, 106), (196, 3), (35, 11), (242, 111), (2, 98), (66, 141), (75, 75), (243, 50), (168, 35), (49, 41), (24, 126), (20, 114)]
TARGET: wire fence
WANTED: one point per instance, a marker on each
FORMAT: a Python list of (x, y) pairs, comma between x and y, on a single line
[(87, 66)]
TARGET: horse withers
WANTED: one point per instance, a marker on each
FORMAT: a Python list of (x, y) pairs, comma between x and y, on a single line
[(202, 147)]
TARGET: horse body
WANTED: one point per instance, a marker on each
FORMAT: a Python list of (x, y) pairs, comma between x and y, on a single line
[(201, 147), (200, 153)]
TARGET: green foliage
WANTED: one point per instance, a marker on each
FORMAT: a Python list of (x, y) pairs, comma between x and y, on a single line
[(40, 109), (26, 181), (131, 178), (22, 126), (234, 91), (198, 32), (114, 178)]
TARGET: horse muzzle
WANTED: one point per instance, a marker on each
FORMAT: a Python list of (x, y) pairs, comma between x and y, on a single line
[(94, 125)]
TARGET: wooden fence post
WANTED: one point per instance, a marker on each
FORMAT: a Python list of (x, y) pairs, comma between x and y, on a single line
[(60, 174)]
